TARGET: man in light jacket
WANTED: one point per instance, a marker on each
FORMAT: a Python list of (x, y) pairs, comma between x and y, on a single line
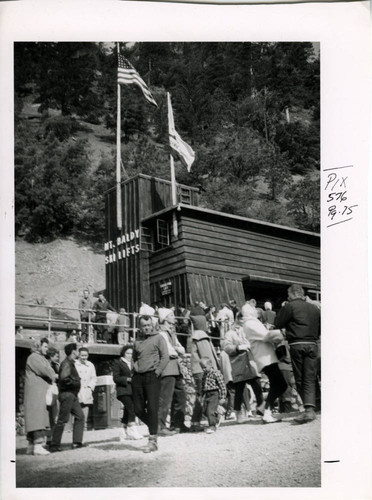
[(172, 383)]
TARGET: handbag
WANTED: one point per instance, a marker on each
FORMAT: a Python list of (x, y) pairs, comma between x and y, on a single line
[(281, 352), (51, 391), (243, 367)]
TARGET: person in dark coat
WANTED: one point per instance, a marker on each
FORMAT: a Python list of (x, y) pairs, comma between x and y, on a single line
[(52, 397), (100, 307), (302, 323), (39, 375), (69, 386), (122, 373)]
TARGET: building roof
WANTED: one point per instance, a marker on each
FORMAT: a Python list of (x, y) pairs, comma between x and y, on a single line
[(238, 218)]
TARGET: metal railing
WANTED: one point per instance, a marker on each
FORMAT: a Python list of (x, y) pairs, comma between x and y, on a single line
[(93, 328)]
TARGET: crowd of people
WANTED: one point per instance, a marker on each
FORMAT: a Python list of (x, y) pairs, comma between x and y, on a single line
[(100, 322), (227, 371)]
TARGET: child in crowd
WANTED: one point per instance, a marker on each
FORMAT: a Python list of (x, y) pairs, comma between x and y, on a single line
[(214, 393)]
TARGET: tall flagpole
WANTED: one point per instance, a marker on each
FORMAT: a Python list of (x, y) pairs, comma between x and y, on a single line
[(118, 154), (173, 175)]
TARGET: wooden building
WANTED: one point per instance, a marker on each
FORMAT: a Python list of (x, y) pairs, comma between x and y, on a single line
[(211, 256)]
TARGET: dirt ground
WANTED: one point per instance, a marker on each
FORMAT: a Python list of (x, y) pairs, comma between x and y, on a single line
[(283, 454)]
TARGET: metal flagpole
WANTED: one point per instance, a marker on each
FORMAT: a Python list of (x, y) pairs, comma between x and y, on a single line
[(174, 197), (118, 155), (173, 174)]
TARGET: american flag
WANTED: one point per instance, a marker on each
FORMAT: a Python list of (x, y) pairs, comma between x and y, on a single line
[(127, 75)]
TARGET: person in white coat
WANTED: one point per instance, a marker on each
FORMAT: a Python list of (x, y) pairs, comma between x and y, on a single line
[(244, 368), (87, 372), (262, 347)]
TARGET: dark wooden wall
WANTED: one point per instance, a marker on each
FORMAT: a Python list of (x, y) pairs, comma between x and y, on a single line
[(123, 277), (215, 290), (211, 256), (128, 280), (225, 250), (180, 292), (217, 253)]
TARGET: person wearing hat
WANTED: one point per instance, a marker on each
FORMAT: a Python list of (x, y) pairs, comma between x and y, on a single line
[(244, 370), (268, 316), (172, 384), (262, 343), (150, 357), (201, 346)]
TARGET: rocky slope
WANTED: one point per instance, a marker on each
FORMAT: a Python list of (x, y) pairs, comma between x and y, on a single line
[(56, 273)]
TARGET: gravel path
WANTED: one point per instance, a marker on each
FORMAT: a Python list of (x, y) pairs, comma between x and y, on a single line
[(247, 455)]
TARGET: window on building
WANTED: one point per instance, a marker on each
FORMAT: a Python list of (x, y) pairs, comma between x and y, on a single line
[(184, 195), (162, 234), (146, 239)]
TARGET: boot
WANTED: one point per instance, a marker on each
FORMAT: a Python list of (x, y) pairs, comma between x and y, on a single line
[(122, 434), (39, 450), (30, 448), (308, 416), (152, 445), (132, 432)]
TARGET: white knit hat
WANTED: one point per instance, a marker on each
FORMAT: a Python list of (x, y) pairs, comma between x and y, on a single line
[(268, 306), (163, 312), (146, 310)]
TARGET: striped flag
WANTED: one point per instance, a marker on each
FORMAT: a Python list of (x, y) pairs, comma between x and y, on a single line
[(127, 75), (179, 147)]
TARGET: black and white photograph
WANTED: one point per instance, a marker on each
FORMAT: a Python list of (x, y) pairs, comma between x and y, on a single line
[(167, 228), (170, 269)]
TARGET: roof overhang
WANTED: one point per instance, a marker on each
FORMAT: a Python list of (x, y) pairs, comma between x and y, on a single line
[(279, 281), (223, 215)]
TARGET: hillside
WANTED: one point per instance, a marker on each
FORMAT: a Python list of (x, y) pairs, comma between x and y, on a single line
[(55, 274), (250, 111)]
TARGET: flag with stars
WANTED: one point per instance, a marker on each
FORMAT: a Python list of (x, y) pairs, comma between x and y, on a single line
[(128, 75)]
